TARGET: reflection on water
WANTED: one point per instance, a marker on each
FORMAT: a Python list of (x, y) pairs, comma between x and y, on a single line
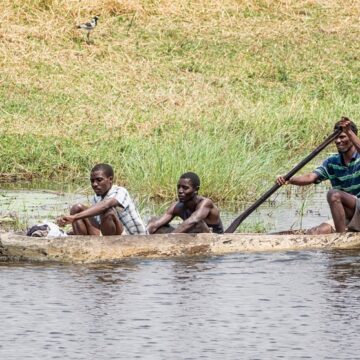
[(345, 267), (291, 305)]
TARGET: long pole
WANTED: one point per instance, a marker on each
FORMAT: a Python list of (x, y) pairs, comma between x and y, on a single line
[(236, 223)]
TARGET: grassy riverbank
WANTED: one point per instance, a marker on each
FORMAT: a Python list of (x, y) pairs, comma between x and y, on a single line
[(237, 91)]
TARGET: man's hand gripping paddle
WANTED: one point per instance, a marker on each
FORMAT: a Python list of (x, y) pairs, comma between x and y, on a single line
[(236, 223)]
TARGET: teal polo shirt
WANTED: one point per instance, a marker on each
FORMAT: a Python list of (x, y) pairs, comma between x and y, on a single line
[(342, 177)]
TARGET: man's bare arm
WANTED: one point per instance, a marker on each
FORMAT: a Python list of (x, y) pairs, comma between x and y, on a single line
[(300, 180), (94, 210), (198, 215), (345, 125), (163, 220)]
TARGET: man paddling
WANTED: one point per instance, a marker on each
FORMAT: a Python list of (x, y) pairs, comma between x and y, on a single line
[(111, 212), (343, 171), (199, 214)]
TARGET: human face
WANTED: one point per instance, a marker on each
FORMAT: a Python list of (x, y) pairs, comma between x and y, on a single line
[(343, 143), (186, 190), (100, 183)]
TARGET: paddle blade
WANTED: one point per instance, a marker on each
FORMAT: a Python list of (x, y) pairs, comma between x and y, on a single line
[(236, 223)]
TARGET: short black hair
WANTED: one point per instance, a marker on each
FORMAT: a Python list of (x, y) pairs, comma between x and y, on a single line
[(352, 125), (105, 168), (195, 180)]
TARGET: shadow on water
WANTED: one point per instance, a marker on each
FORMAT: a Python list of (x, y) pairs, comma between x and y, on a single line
[(344, 267)]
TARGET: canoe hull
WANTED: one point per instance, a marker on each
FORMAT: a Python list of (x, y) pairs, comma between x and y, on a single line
[(92, 249)]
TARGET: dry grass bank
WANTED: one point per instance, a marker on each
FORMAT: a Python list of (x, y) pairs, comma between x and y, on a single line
[(235, 90)]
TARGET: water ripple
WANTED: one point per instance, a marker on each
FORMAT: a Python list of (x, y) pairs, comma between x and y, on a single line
[(298, 305)]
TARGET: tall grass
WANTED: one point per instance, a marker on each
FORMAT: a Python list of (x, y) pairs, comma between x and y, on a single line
[(238, 91)]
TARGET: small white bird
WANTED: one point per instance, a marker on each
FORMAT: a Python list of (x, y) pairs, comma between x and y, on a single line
[(89, 26)]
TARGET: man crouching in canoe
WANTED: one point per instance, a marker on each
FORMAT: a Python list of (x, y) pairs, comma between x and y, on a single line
[(111, 212), (343, 171), (199, 214)]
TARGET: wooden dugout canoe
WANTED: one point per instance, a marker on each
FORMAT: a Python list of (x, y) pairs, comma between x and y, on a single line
[(92, 249)]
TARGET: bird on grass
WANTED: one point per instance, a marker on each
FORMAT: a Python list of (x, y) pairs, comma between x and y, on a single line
[(89, 26)]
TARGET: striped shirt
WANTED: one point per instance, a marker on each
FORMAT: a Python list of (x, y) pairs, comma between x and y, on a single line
[(126, 211), (342, 177)]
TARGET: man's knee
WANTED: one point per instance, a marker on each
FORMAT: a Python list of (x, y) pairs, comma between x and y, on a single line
[(333, 196), (77, 208), (165, 229), (110, 223), (322, 229), (108, 215), (200, 227)]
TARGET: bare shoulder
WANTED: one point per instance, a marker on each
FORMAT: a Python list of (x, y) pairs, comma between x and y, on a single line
[(175, 208), (206, 202)]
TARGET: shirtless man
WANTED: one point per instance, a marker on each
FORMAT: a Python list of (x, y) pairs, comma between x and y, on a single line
[(343, 171), (199, 214), (111, 212)]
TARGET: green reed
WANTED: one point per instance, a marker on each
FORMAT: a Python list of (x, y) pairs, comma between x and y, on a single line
[(235, 91)]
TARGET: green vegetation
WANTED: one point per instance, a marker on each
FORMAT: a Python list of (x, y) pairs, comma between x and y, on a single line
[(237, 91)]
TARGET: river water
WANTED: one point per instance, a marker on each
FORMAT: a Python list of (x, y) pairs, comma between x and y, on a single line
[(280, 305), (290, 305)]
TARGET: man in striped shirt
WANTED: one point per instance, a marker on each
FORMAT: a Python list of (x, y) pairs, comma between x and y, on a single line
[(112, 212), (343, 171)]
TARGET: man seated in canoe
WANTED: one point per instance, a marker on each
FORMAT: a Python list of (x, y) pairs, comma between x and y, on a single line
[(112, 212), (199, 214), (343, 171)]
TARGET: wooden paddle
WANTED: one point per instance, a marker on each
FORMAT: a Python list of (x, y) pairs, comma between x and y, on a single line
[(235, 224)]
